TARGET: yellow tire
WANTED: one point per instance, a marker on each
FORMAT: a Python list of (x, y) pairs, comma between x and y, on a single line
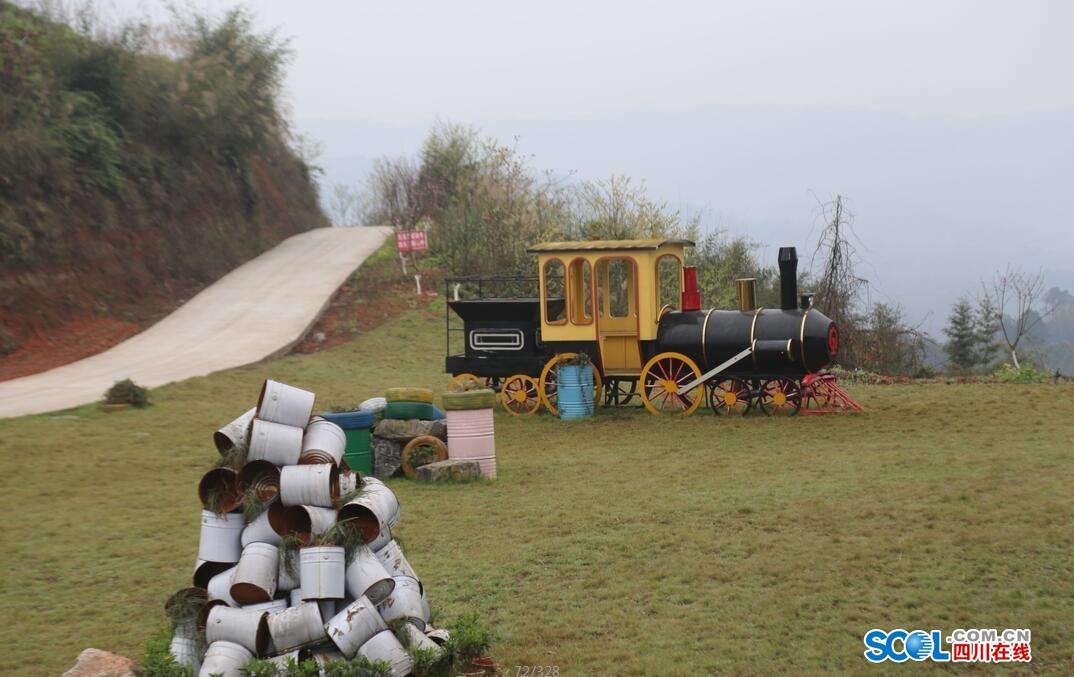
[(661, 378), (520, 394), (409, 395)]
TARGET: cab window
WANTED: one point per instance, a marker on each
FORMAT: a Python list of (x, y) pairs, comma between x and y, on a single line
[(668, 281), (555, 276), (581, 292)]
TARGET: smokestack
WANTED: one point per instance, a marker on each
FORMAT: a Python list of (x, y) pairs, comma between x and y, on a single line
[(788, 278), (691, 296)]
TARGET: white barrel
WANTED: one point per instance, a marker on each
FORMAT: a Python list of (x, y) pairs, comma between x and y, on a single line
[(471, 435), (439, 636), (309, 520), (354, 626), (218, 490), (281, 403), (255, 575), (235, 435), (221, 537), (322, 572), (373, 404), (386, 501), (327, 607), (324, 442), (315, 485), (268, 527), (296, 627), (323, 654), (274, 605), (418, 640), (348, 482), (381, 540), (426, 610), (384, 646), (288, 581), (244, 627), (185, 648), (205, 570), (274, 442), (262, 478), (404, 603), (296, 656), (225, 659), (220, 587), (367, 576), (374, 511), (394, 561)]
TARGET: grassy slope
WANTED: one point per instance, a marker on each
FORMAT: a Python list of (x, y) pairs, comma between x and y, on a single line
[(628, 544)]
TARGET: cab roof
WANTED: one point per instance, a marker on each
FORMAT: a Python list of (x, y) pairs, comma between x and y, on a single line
[(605, 245)]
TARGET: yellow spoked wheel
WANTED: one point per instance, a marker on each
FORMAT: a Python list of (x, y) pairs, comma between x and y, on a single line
[(520, 394), (730, 396), (464, 382), (661, 379), (548, 382), (781, 397)]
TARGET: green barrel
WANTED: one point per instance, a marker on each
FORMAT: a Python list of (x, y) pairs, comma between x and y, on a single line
[(357, 427)]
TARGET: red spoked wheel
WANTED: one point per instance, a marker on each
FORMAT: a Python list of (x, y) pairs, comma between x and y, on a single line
[(730, 397), (661, 379), (781, 396)]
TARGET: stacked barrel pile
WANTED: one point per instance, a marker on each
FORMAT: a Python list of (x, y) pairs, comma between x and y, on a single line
[(296, 557)]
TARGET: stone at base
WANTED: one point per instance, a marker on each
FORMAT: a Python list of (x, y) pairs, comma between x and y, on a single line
[(97, 663), (387, 457), (459, 470)]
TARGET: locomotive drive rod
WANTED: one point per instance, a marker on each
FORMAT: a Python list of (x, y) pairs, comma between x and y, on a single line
[(715, 370)]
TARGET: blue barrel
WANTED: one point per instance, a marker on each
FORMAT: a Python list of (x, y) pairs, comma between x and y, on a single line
[(356, 426), (574, 390)]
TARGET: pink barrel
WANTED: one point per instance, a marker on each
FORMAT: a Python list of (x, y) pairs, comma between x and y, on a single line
[(471, 436)]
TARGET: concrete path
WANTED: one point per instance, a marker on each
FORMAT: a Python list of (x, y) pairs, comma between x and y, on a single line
[(257, 310)]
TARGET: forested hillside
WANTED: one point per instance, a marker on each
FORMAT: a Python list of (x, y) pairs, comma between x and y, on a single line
[(137, 164)]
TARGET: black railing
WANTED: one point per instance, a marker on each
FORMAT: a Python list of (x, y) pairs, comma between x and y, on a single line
[(482, 287)]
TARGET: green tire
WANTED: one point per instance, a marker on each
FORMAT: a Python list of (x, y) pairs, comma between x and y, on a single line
[(408, 410), (471, 399)]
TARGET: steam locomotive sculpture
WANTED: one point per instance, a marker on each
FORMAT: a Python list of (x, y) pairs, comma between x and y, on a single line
[(633, 308)]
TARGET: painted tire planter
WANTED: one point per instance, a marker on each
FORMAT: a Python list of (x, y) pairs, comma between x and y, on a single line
[(221, 537), (408, 395), (309, 485), (235, 435), (393, 560), (322, 571), (274, 442), (574, 391), (404, 603), (297, 627), (324, 442), (254, 580), (268, 527), (471, 399), (245, 627), (384, 646), (409, 410), (260, 477), (225, 659), (281, 403), (423, 450), (472, 435), (367, 576), (355, 625)]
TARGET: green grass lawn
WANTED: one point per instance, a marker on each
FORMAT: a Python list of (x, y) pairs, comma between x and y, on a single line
[(628, 544)]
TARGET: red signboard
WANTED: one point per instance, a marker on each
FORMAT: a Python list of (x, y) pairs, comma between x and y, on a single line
[(411, 241)]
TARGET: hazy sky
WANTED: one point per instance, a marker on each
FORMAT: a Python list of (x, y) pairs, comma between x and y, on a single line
[(949, 124), (394, 61)]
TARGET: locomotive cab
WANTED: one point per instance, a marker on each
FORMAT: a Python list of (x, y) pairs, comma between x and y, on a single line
[(615, 292)]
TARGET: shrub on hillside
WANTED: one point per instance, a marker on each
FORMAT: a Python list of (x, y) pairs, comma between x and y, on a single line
[(127, 392)]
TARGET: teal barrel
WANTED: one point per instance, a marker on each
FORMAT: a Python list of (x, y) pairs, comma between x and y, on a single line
[(356, 426), (574, 390)]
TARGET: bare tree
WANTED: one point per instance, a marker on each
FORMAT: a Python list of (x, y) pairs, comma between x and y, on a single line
[(344, 205), (394, 194), (838, 286), (1013, 298)]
